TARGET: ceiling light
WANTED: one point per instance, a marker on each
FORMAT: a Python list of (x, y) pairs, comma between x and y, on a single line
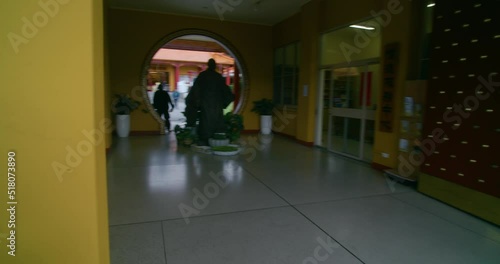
[(431, 4), (362, 27)]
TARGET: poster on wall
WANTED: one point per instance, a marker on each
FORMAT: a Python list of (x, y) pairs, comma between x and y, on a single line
[(389, 74)]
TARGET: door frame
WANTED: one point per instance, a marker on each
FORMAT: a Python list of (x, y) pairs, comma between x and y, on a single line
[(320, 105)]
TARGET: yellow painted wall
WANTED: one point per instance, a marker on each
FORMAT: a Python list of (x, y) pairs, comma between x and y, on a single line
[(285, 122), (46, 112), (287, 31), (108, 96), (309, 34), (254, 43), (398, 30), (334, 14)]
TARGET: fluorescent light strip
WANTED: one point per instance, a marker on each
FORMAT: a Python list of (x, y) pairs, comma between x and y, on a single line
[(431, 4), (362, 27)]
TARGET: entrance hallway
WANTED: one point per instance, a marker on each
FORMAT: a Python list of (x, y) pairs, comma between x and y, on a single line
[(276, 203)]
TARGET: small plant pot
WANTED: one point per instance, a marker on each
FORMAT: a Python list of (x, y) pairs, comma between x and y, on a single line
[(218, 142), (188, 142), (123, 125), (266, 124)]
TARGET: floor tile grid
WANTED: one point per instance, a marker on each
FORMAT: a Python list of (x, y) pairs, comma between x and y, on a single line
[(199, 216), (445, 219), (164, 243), (305, 216)]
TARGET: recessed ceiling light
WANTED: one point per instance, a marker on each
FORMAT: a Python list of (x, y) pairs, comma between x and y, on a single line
[(362, 27), (431, 4)]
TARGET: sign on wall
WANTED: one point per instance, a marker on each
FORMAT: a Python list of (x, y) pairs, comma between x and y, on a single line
[(389, 74)]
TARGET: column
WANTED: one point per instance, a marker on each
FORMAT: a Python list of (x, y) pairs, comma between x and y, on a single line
[(236, 88)]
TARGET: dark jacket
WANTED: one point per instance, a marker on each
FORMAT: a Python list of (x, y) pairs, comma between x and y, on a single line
[(161, 100)]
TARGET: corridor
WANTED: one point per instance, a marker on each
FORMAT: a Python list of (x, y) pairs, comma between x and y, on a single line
[(277, 202)]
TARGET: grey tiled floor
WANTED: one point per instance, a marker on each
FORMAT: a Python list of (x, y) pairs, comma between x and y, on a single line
[(276, 203)]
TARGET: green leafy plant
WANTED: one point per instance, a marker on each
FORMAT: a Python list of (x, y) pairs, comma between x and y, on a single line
[(263, 106), (124, 105), (234, 126), (185, 136), (225, 148)]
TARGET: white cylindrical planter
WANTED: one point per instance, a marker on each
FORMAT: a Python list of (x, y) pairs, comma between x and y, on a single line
[(266, 124), (123, 125)]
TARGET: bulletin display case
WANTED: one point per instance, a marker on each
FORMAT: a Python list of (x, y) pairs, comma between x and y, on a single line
[(410, 132)]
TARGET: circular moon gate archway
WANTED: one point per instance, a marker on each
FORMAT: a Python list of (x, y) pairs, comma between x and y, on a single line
[(240, 73)]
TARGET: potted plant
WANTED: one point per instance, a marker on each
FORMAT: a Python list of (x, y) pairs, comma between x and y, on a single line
[(234, 126), (218, 139), (264, 108), (185, 136), (122, 106)]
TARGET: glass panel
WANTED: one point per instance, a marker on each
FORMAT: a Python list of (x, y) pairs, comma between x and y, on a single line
[(290, 55), (345, 135), (288, 84), (347, 88), (351, 44), (277, 89), (278, 74), (369, 140), (327, 84), (286, 75), (278, 57)]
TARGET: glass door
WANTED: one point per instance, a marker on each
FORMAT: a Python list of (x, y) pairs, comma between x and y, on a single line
[(323, 110), (349, 97)]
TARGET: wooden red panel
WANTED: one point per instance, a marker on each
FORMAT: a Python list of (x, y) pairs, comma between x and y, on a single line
[(464, 59)]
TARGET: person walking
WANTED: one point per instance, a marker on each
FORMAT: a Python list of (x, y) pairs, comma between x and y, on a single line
[(176, 97), (161, 100)]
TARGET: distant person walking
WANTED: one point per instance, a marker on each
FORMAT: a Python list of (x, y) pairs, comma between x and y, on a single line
[(176, 97), (161, 100), (209, 96)]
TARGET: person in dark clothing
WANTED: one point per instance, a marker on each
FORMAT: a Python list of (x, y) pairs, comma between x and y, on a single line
[(161, 100), (208, 96)]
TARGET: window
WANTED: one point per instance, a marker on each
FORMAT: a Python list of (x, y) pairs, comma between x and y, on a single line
[(286, 74), (352, 43)]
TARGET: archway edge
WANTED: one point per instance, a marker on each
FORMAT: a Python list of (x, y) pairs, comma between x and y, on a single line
[(185, 32)]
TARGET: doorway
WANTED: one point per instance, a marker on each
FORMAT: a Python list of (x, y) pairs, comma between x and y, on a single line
[(349, 102), (175, 62)]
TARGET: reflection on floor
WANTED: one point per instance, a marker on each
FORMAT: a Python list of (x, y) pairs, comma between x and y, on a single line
[(349, 147), (276, 203)]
